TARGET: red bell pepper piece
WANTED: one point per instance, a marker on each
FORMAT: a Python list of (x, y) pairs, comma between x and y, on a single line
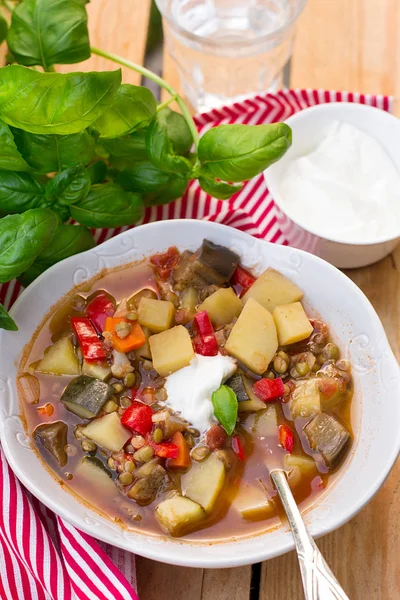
[(269, 390), (204, 341), (286, 438), (99, 309), (164, 449), (92, 347), (182, 461), (138, 417), (164, 263), (242, 278), (237, 447)]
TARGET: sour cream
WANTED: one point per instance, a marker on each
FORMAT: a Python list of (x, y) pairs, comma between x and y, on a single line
[(346, 188), (189, 389)]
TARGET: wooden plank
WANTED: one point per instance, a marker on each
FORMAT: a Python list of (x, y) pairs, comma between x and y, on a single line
[(119, 27), (354, 45)]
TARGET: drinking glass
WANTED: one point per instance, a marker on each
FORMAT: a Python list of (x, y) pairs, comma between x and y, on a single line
[(227, 50)]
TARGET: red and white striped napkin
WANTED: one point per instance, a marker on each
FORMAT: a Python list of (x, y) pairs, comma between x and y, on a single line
[(43, 557)]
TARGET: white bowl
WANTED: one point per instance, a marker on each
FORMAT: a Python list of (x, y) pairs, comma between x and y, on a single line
[(375, 409), (307, 126)]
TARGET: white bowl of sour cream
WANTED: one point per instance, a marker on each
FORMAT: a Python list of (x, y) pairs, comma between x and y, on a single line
[(337, 189)]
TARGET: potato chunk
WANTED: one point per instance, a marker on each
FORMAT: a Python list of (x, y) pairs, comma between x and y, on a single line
[(306, 464), (204, 481), (222, 306), (157, 315), (253, 339), (171, 350), (292, 323), (306, 399), (60, 359), (101, 372), (253, 504), (272, 289), (108, 432), (179, 515)]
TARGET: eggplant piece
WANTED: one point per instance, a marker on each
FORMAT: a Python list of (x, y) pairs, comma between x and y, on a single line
[(236, 383), (85, 396), (326, 435), (53, 437), (184, 275), (216, 264)]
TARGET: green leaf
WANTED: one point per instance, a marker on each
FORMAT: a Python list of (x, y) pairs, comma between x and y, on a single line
[(10, 157), (48, 153), (22, 238), (57, 103), (108, 205), (3, 29), (49, 32), (67, 241), (225, 407), (218, 189), (174, 188), (142, 177), (240, 152), (97, 171), (69, 186), (131, 146), (6, 322), (134, 106), (164, 143), (19, 192)]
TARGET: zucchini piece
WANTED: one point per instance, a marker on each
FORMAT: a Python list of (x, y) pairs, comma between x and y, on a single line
[(236, 383), (108, 432), (306, 400), (222, 306), (53, 437), (204, 481), (216, 264), (326, 435), (272, 289), (179, 516), (253, 339), (144, 351), (101, 372), (254, 403), (93, 471), (60, 359), (291, 323), (85, 396)]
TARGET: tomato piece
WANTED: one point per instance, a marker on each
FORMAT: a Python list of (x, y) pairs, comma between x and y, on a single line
[(269, 390), (286, 438), (165, 262), (164, 449), (138, 417)]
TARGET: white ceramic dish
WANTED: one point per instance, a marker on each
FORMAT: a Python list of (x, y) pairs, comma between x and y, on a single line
[(376, 407), (307, 126)]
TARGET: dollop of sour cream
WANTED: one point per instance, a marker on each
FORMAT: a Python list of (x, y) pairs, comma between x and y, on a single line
[(189, 389), (347, 188)]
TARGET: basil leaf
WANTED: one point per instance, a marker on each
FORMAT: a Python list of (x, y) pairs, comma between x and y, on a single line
[(3, 30), (225, 407), (131, 146), (218, 189), (108, 205), (239, 152), (67, 241), (57, 103), (69, 186), (19, 192), (142, 177), (97, 171), (173, 189), (134, 106), (6, 322), (162, 142), (10, 157), (22, 238), (48, 153), (49, 32)]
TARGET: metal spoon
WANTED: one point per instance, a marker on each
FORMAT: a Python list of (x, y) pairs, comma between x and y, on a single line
[(319, 583)]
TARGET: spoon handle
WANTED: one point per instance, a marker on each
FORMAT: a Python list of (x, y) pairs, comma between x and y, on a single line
[(319, 582)]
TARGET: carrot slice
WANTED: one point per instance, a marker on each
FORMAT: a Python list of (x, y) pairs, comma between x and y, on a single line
[(182, 461), (135, 339)]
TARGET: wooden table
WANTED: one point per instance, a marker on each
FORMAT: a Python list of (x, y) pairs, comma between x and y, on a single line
[(345, 45)]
